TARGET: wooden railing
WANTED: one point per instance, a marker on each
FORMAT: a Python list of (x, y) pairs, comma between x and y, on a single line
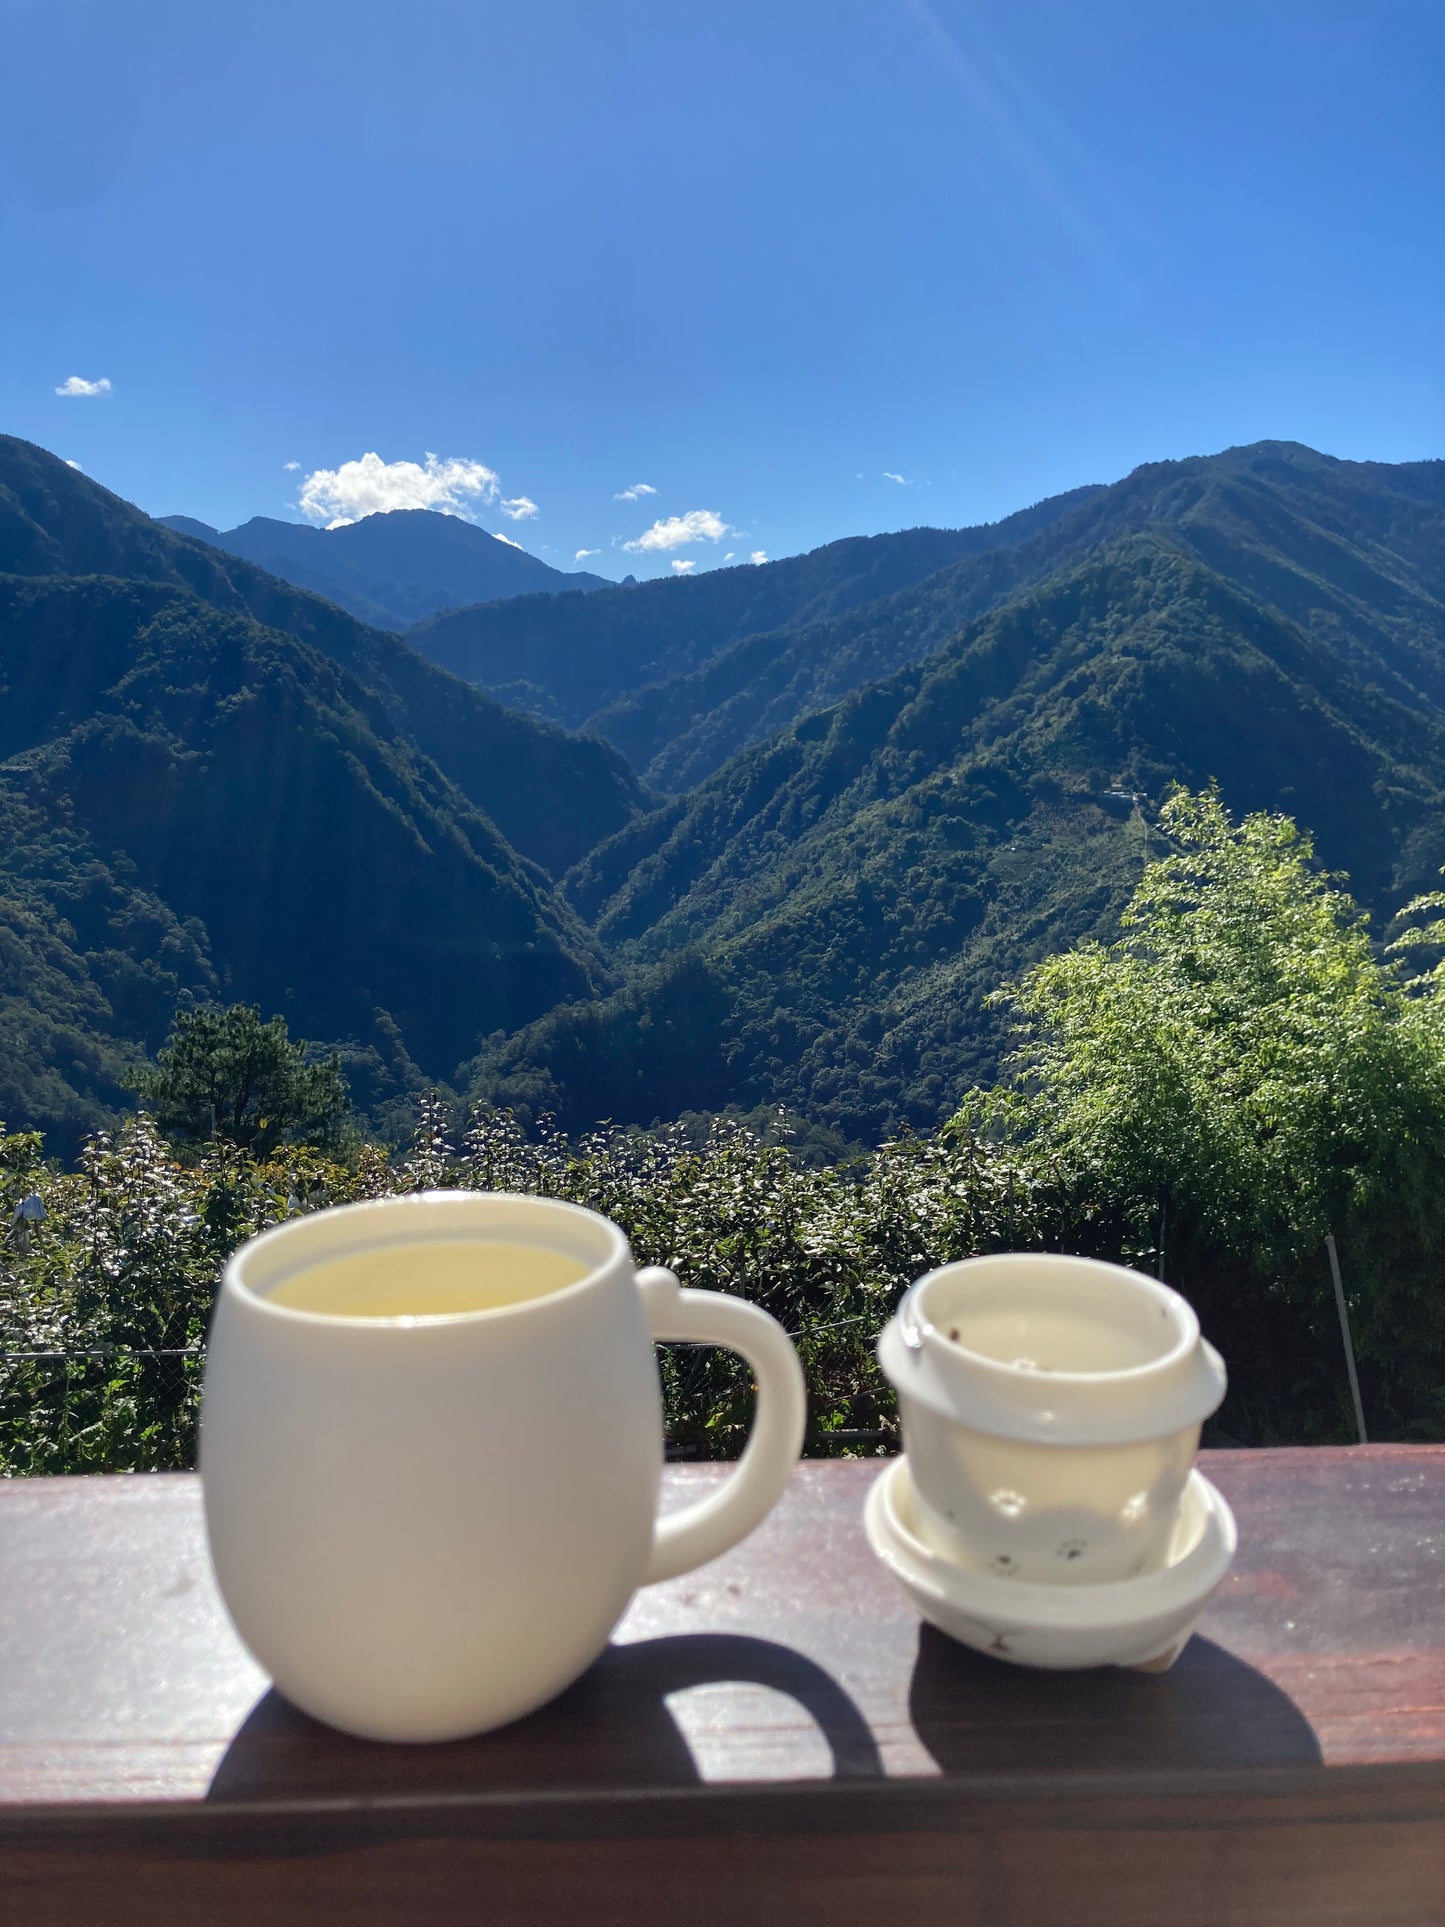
[(773, 1739)]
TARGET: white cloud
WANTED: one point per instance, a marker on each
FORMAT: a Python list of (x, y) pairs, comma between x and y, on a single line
[(371, 486), (758, 555), (698, 525), (582, 554), (683, 563), (78, 385), (902, 480), (730, 554), (497, 536), (290, 466), (519, 508), (635, 493)]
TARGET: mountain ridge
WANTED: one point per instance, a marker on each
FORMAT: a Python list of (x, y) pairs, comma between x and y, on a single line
[(550, 792), (392, 568), (677, 732), (588, 658), (699, 695), (853, 887), (890, 808)]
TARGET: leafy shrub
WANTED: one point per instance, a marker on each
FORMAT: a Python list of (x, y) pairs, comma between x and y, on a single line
[(1240, 1074), (124, 1264)]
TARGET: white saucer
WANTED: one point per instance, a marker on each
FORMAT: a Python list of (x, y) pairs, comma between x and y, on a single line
[(1142, 1622)]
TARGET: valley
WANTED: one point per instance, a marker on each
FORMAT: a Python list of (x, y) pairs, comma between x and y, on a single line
[(768, 834)]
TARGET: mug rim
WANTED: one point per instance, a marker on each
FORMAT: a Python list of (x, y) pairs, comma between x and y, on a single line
[(458, 1203)]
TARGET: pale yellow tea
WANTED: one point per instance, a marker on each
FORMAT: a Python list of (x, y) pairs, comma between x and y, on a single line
[(1048, 1340), (437, 1278)]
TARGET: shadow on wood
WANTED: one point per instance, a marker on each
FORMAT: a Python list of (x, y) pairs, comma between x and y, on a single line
[(981, 1716), (614, 1727)]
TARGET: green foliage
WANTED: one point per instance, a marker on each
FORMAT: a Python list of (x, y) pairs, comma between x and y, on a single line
[(125, 1261), (91, 964), (106, 1289), (1242, 1073), (224, 1073), (652, 1050)]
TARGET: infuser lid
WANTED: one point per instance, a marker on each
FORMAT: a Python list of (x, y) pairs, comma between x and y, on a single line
[(1048, 1349)]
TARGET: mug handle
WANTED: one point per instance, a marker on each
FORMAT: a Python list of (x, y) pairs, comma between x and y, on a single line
[(700, 1532)]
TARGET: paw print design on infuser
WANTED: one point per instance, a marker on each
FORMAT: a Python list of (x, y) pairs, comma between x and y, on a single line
[(1073, 1549), (1004, 1563)]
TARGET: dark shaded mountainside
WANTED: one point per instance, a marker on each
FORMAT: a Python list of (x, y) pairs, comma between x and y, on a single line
[(213, 784), (820, 920), (391, 569), (552, 794)]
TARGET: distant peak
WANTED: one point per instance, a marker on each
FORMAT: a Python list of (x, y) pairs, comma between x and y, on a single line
[(189, 525)]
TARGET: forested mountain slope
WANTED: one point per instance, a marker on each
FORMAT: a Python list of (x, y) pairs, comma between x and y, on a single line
[(578, 659), (1352, 550), (845, 895), (191, 803), (391, 570), (552, 795)]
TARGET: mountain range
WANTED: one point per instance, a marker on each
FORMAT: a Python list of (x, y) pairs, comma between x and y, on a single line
[(591, 666), (213, 784), (819, 809), (851, 886), (1344, 547), (392, 569)]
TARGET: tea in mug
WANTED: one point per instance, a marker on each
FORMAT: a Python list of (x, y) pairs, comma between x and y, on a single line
[(437, 1278)]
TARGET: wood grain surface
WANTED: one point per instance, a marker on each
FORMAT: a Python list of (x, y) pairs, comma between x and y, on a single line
[(772, 1738)]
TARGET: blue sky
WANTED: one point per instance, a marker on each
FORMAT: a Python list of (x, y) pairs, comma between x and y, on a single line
[(805, 270)]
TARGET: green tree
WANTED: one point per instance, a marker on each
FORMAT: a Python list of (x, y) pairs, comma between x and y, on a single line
[(1241, 1073), (224, 1073)]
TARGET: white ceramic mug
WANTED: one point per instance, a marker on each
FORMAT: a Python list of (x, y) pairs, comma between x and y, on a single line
[(1051, 1409), (425, 1527)]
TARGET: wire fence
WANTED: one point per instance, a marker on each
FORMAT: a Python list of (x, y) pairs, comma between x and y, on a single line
[(104, 1408)]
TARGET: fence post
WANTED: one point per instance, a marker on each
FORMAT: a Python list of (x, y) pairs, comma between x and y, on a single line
[(1345, 1334)]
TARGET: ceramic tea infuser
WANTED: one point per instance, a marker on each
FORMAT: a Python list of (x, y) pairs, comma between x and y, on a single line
[(1051, 1409)]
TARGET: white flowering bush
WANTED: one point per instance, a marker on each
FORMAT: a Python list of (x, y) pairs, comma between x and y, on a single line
[(107, 1281)]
